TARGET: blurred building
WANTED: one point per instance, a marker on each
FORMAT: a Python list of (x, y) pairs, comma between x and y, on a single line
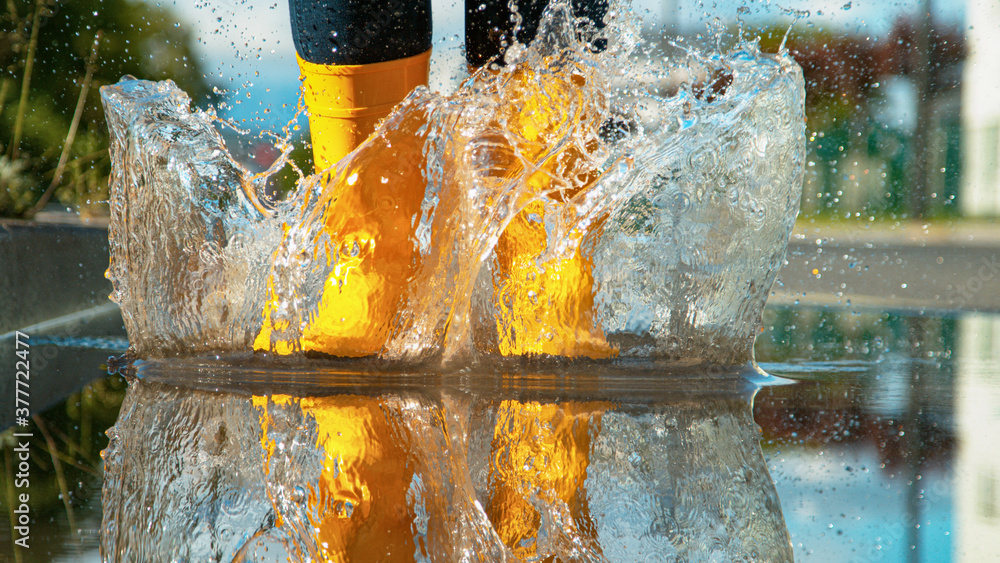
[(864, 95), (981, 111)]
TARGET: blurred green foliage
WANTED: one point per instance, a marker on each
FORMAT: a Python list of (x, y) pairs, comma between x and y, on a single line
[(860, 165), (137, 38)]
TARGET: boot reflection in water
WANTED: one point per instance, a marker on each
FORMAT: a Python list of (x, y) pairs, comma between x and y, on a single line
[(357, 508), (537, 470), (354, 460)]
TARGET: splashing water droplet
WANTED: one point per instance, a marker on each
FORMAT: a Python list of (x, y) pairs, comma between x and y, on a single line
[(552, 191)]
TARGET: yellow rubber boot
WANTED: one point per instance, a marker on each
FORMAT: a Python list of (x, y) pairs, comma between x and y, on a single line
[(547, 307), (346, 102), (373, 201)]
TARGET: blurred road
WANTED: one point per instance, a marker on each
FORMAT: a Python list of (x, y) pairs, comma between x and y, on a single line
[(929, 267)]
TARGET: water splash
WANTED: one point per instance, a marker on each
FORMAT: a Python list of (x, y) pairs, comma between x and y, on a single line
[(186, 226), (657, 192)]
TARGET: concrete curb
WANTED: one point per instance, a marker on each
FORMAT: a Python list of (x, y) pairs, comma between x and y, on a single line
[(52, 288), (50, 270)]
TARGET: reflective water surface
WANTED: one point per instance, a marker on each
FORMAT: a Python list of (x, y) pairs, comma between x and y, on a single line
[(508, 470), (878, 449)]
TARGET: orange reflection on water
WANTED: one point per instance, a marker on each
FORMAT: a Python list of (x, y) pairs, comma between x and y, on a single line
[(359, 500)]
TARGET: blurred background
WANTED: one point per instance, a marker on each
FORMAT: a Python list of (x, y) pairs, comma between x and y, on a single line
[(901, 118)]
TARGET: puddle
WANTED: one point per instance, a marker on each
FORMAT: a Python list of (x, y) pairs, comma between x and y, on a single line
[(879, 443)]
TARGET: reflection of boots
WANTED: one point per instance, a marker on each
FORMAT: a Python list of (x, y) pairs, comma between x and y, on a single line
[(537, 470), (357, 508), (359, 59)]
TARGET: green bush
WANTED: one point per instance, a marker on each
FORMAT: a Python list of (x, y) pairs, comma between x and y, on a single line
[(48, 45)]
